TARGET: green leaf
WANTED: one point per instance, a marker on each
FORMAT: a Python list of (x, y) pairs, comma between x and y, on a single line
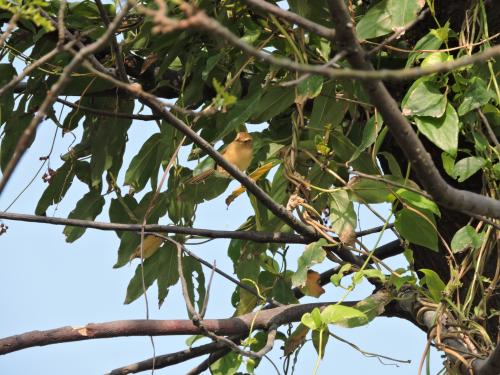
[(14, 128), (418, 201), (162, 265), (424, 99), (443, 131), (372, 273), (386, 17), (436, 58), (448, 163), (327, 109), (313, 319), (274, 101), (59, 184), (342, 212), (475, 96), (394, 167), (374, 305), (343, 316), (227, 365), (336, 278), (108, 136), (370, 132), (239, 113), (145, 164), (369, 191), (417, 229), (465, 238), (190, 266), (87, 208), (430, 41), (7, 72), (465, 168), (313, 254), (168, 274), (434, 284), (320, 339), (310, 87), (128, 243)]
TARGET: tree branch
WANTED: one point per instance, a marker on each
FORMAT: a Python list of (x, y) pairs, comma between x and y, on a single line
[(263, 237), (166, 360), (432, 181), (263, 319), (490, 365), (107, 113), (360, 72)]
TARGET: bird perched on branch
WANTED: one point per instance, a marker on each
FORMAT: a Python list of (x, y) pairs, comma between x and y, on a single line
[(238, 153)]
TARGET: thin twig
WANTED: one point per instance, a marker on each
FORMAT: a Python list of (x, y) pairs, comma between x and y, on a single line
[(262, 237), (102, 112), (10, 27)]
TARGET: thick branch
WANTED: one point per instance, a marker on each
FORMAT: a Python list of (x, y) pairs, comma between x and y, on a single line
[(362, 72), (162, 361), (490, 365), (432, 181), (276, 237), (231, 326)]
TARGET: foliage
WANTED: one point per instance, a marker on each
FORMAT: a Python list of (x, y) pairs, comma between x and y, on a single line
[(318, 138)]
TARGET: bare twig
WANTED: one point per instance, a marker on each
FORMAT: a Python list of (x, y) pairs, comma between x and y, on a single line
[(263, 237), (10, 27), (102, 112), (430, 178), (60, 23), (162, 361)]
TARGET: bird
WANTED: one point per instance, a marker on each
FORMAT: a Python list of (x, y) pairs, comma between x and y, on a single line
[(238, 153)]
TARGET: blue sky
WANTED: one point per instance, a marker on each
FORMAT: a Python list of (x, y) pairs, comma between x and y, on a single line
[(47, 283)]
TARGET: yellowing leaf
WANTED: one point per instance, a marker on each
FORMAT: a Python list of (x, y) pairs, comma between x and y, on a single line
[(255, 175), (312, 287), (296, 339), (150, 245)]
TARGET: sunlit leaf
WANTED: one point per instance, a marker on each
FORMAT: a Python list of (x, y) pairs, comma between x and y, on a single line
[(466, 167), (465, 238), (434, 284), (313, 254), (387, 16)]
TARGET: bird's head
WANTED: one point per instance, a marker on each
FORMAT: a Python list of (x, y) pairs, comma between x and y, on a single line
[(244, 139)]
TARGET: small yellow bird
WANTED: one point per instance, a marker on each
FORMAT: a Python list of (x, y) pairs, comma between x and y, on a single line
[(238, 153)]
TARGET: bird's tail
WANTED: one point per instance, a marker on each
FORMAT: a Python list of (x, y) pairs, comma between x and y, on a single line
[(201, 177)]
